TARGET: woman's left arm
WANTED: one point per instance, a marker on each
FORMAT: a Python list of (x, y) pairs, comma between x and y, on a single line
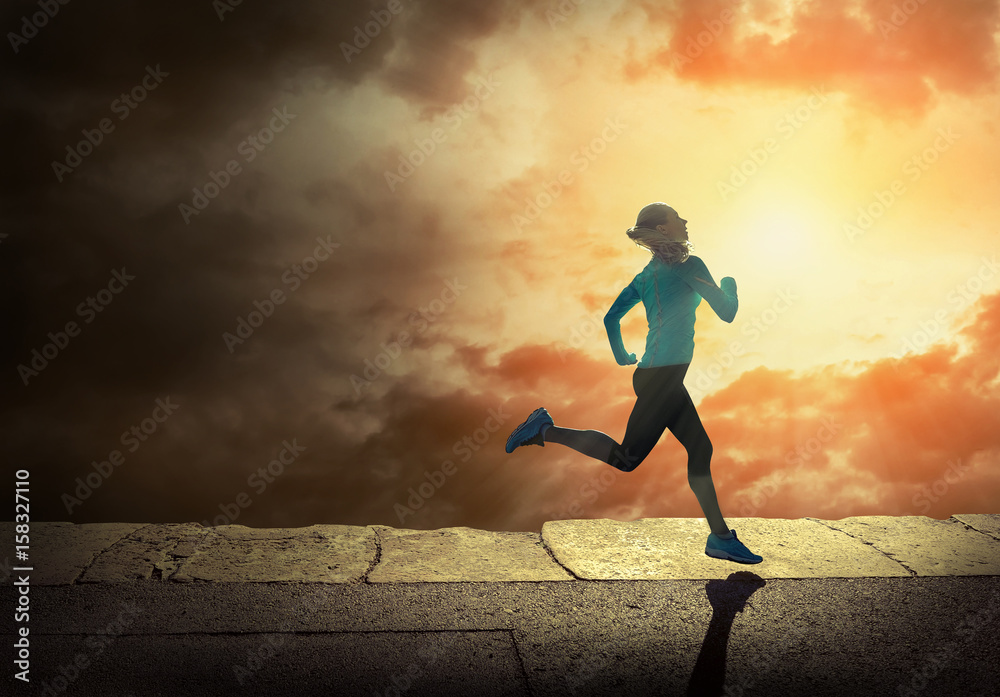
[(626, 300), (723, 300)]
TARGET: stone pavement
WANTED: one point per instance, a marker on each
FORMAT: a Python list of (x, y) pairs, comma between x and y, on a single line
[(862, 605)]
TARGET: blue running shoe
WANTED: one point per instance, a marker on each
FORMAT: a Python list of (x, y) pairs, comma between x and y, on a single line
[(730, 549), (530, 432)]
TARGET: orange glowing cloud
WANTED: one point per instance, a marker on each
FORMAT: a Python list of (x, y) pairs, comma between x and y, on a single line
[(888, 54)]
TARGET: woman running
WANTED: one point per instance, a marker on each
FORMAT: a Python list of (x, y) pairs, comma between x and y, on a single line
[(670, 287)]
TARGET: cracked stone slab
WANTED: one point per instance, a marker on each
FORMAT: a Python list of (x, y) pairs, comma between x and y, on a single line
[(142, 554), (987, 523), (317, 553), (674, 548), (462, 554), (928, 546), (59, 551)]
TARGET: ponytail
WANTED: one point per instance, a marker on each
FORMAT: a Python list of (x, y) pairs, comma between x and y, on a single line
[(668, 251)]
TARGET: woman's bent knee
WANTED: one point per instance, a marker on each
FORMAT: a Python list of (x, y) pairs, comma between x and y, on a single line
[(700, 459), (623, 460)]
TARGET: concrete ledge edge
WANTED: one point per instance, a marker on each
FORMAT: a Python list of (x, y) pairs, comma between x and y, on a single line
[(66, 553)]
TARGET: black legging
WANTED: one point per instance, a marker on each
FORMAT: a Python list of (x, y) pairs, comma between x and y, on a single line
[(663, 402)]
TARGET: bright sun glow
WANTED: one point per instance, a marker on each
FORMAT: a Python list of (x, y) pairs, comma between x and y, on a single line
[(785, 235)]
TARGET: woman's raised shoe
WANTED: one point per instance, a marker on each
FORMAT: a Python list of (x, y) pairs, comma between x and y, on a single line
[(530, 432)]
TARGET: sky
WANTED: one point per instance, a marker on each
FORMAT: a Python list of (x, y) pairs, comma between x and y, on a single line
[(286, 264)]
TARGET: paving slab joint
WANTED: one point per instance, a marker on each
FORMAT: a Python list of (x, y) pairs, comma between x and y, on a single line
[(173, 562), (854, 537), (552, 555), (974, 529), (378, 556), (178, 573), (97, 555)]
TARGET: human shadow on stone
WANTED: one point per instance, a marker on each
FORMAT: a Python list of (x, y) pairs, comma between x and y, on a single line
[(727, 598)]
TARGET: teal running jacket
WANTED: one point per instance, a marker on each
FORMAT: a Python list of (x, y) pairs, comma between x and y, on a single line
[(670, 294)]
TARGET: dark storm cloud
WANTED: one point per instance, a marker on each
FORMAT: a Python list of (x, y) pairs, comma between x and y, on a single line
[(165, 289), (423, 70)]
